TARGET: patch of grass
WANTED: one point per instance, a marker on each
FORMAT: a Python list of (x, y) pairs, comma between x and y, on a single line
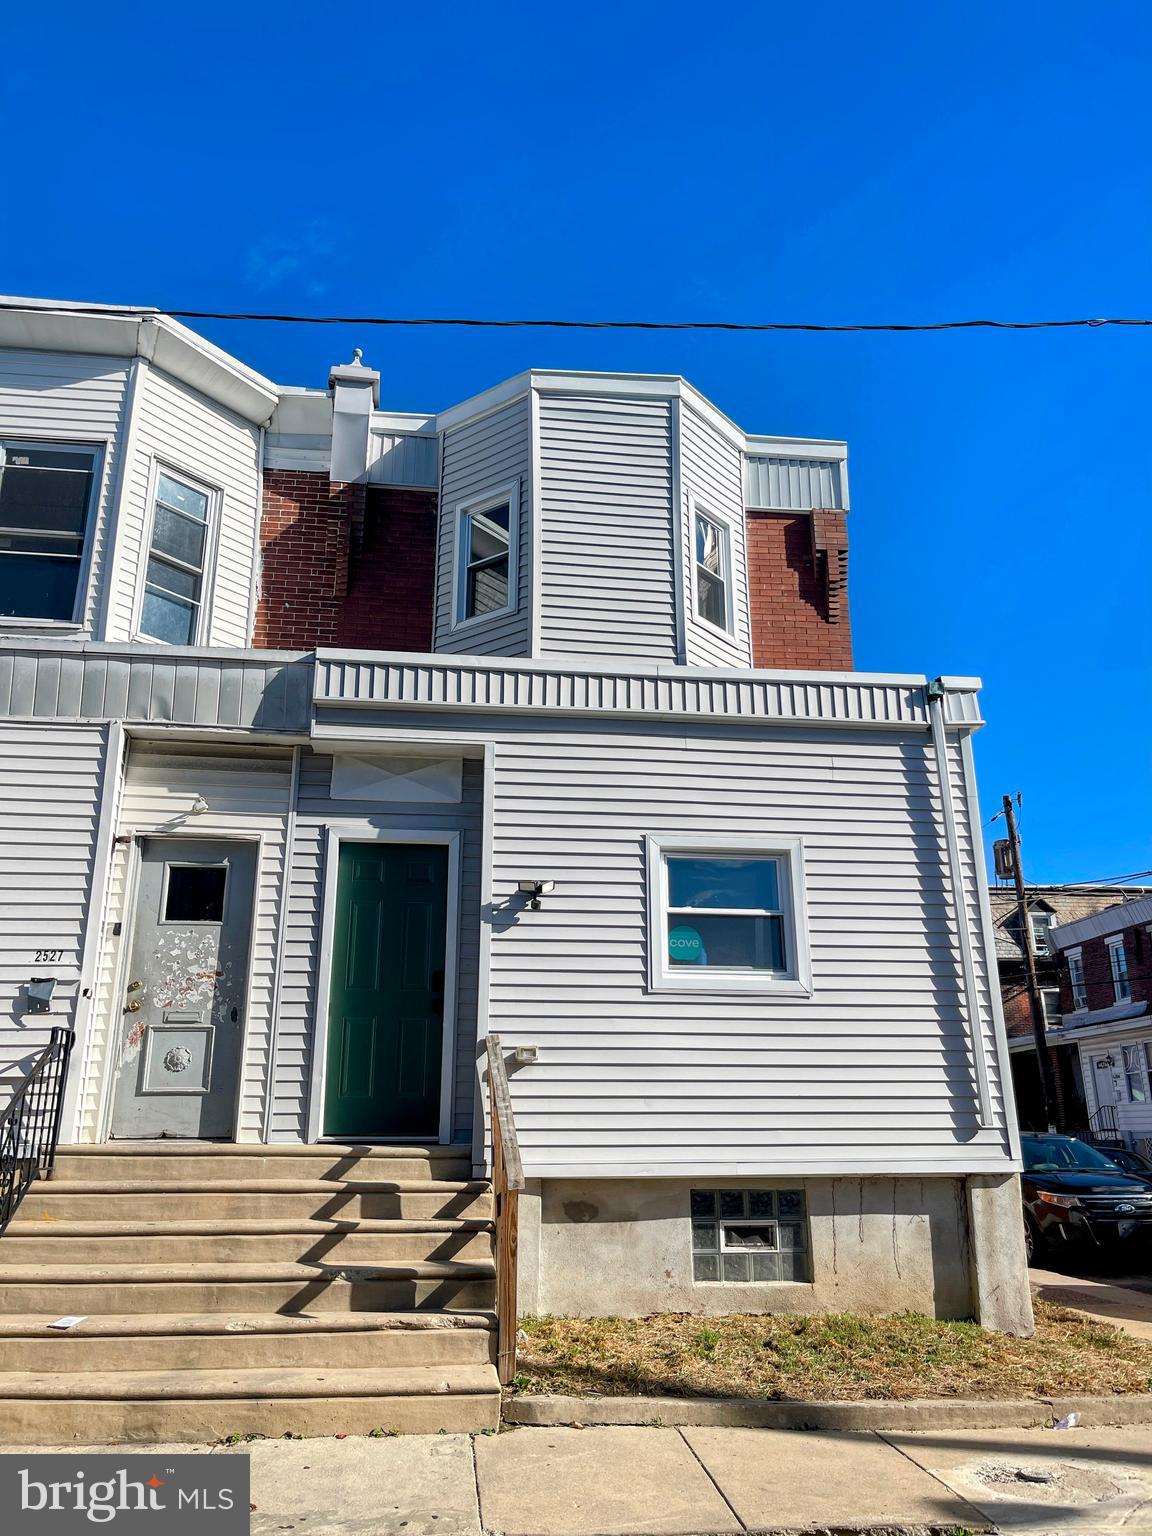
[(831, 1355)]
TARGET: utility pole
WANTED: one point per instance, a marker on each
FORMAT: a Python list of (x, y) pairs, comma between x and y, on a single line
[(1039, 1029)]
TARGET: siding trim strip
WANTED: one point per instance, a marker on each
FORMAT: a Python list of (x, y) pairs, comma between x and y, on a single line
[(92, 945), (282, 928)]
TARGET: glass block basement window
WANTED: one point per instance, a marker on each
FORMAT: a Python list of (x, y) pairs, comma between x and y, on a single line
[(746, 1235)]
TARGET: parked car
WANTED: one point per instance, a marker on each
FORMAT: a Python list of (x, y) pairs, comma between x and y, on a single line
[(1076, 1194), (1131, 1162)]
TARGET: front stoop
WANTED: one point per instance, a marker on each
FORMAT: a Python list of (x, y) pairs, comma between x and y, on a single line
[(248, 1290)]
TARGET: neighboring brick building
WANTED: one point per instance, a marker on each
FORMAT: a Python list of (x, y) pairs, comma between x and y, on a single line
[(1049, 907), (1106, 1000)]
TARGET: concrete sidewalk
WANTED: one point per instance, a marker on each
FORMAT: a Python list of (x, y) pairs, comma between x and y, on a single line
[(667, 1482), (1109, 1300)]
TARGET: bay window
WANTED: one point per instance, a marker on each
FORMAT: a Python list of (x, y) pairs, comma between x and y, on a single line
[(486, 539), (177, 561), (713, 570)]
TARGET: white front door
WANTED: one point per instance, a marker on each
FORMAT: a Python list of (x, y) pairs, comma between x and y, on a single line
[(1105, 1071)]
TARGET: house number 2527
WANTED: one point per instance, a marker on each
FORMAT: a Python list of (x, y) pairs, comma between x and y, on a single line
[(49, 956)]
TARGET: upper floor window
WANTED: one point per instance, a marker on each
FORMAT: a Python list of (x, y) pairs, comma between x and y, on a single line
[(713, 576), (47, 498), (174, 579), (1050, 1000), (727, 918), (1041, 923), (1076, 978), (486, 535), (1118, 962)]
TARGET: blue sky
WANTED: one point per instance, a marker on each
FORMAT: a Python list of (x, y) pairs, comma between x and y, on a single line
[(835, 162)]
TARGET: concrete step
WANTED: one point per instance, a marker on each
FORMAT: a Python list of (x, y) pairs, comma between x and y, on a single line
[(166, 1198), (53, 1408), (233, 1287), (228, 1341), (211, 1160), (249, 1242)]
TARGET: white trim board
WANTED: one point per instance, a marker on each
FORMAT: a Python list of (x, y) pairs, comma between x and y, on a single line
[(368, 832)]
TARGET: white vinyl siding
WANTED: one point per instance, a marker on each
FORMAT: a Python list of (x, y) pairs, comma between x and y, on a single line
[(247, 795), (317, 811), (873, 1069), (51, 782), (69, 398), (607, 572), (710, 475), (181, 432), (480, 458)]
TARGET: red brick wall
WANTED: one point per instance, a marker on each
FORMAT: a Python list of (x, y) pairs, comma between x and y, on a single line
[(344, 565), (393, 575), (1017, 1008), (1098, 971), (797, 580), (305, 545)]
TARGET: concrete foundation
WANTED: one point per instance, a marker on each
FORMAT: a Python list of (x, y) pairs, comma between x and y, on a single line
[(1002, 1298), (623, 1247)]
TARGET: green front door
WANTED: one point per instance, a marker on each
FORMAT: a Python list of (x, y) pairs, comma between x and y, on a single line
[(386, 1014)]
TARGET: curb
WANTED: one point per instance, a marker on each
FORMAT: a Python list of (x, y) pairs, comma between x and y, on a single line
[(917, 1413)]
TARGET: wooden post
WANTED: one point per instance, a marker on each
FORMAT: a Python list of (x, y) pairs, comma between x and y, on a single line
[(507, 1182)]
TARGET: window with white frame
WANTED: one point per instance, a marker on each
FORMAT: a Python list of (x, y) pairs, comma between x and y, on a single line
[(174, 579), (48, 495), (1133, 1063), (1118, 964), (713, 566), (749, 1235), (1076, 979), (1041, 924), (1050, 998), (727, 917), (486, 537)]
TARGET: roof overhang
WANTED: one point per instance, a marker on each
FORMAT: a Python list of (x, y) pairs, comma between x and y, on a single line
[(53, 325), (1126, 914)]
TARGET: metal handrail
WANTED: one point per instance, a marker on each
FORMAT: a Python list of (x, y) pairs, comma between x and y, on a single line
[(30, 1124), (1105, 1122), (507, 1182)]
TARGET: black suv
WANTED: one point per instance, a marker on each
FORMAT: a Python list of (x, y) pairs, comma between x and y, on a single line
[(1074, 1193)]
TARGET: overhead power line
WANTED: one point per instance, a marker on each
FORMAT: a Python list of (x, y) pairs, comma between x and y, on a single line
[(122, 312)]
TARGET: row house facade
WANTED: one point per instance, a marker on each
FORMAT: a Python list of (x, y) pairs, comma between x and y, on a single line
[(1047, 908), (339, 740), (1106, 1014)]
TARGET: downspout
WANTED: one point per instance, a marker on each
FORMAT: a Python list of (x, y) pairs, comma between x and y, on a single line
[(281, 943), (935, 694), (254, 580)]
